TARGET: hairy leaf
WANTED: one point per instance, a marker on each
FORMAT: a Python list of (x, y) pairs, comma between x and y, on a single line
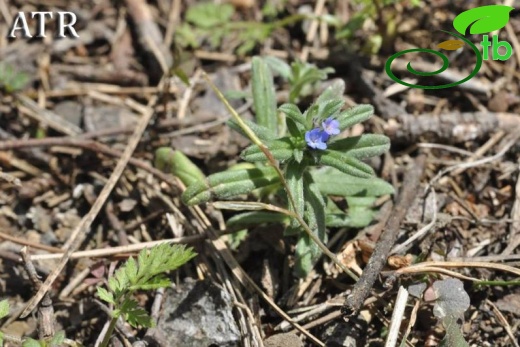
[(264, 98), (331, 181), (176, 163), (362, 147), (355, 115), (333, 92), (256, 218), (280, 149), (294, 179), (315, 218), (360, 210), (278, 66), (262, 132), (293, 112), (338, 220), (229, 183), (346, 164), (329, 108), (304, 75)]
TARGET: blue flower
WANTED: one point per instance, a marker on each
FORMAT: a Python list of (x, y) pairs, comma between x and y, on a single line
[(316, 138), (331, 126)]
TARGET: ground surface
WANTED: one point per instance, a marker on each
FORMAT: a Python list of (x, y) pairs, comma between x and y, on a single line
[(65, 126)]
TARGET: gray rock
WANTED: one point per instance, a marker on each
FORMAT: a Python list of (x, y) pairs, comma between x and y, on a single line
[(199, 314)]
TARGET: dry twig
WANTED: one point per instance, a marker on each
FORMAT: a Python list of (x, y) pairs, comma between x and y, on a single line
[(80, 231), (386, 241)]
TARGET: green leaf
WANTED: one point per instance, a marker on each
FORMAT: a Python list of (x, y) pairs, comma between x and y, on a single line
[(298, 155), (131, 270), (355, 115), (255, 218), (294, 179), (360, 211), (453, 337), (187, 36), (281, 149), (229, 183), (331, 181), (333, 92), (135, 315), (264, 98), (11, 79), (156, 282), (345, 163), (58, 339), (303, 76), (147, 273), (208, 15), (483, 19), (105, 295), (303, 256), (176, 163), (315, 217), (293, 112), (329, 108), (263, 133), (4, 308), (338, 220), (28, 342), (362, 147), (278, 66)]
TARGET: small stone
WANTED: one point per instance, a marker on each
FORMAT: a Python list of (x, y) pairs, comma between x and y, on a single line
[(283, 340), (198, 314)]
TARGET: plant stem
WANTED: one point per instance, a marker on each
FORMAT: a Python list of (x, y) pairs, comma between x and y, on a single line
[(496, 283), (108, 333)]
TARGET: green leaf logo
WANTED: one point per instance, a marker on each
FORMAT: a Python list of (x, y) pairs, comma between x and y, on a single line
[(482, 19)]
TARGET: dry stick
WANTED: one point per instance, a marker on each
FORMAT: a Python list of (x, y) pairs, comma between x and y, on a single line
[(86, 144), (386, 241), (470, 164), (397, 317), (47, 117), (103, 252), (45, 311), (80, 231), (514, 228)]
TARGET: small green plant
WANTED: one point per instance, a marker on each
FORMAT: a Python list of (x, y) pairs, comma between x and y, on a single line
[(12, 80), (314, 162), (57, 340), (302, 76), (211, 22), (145, 273), (383, 14)]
